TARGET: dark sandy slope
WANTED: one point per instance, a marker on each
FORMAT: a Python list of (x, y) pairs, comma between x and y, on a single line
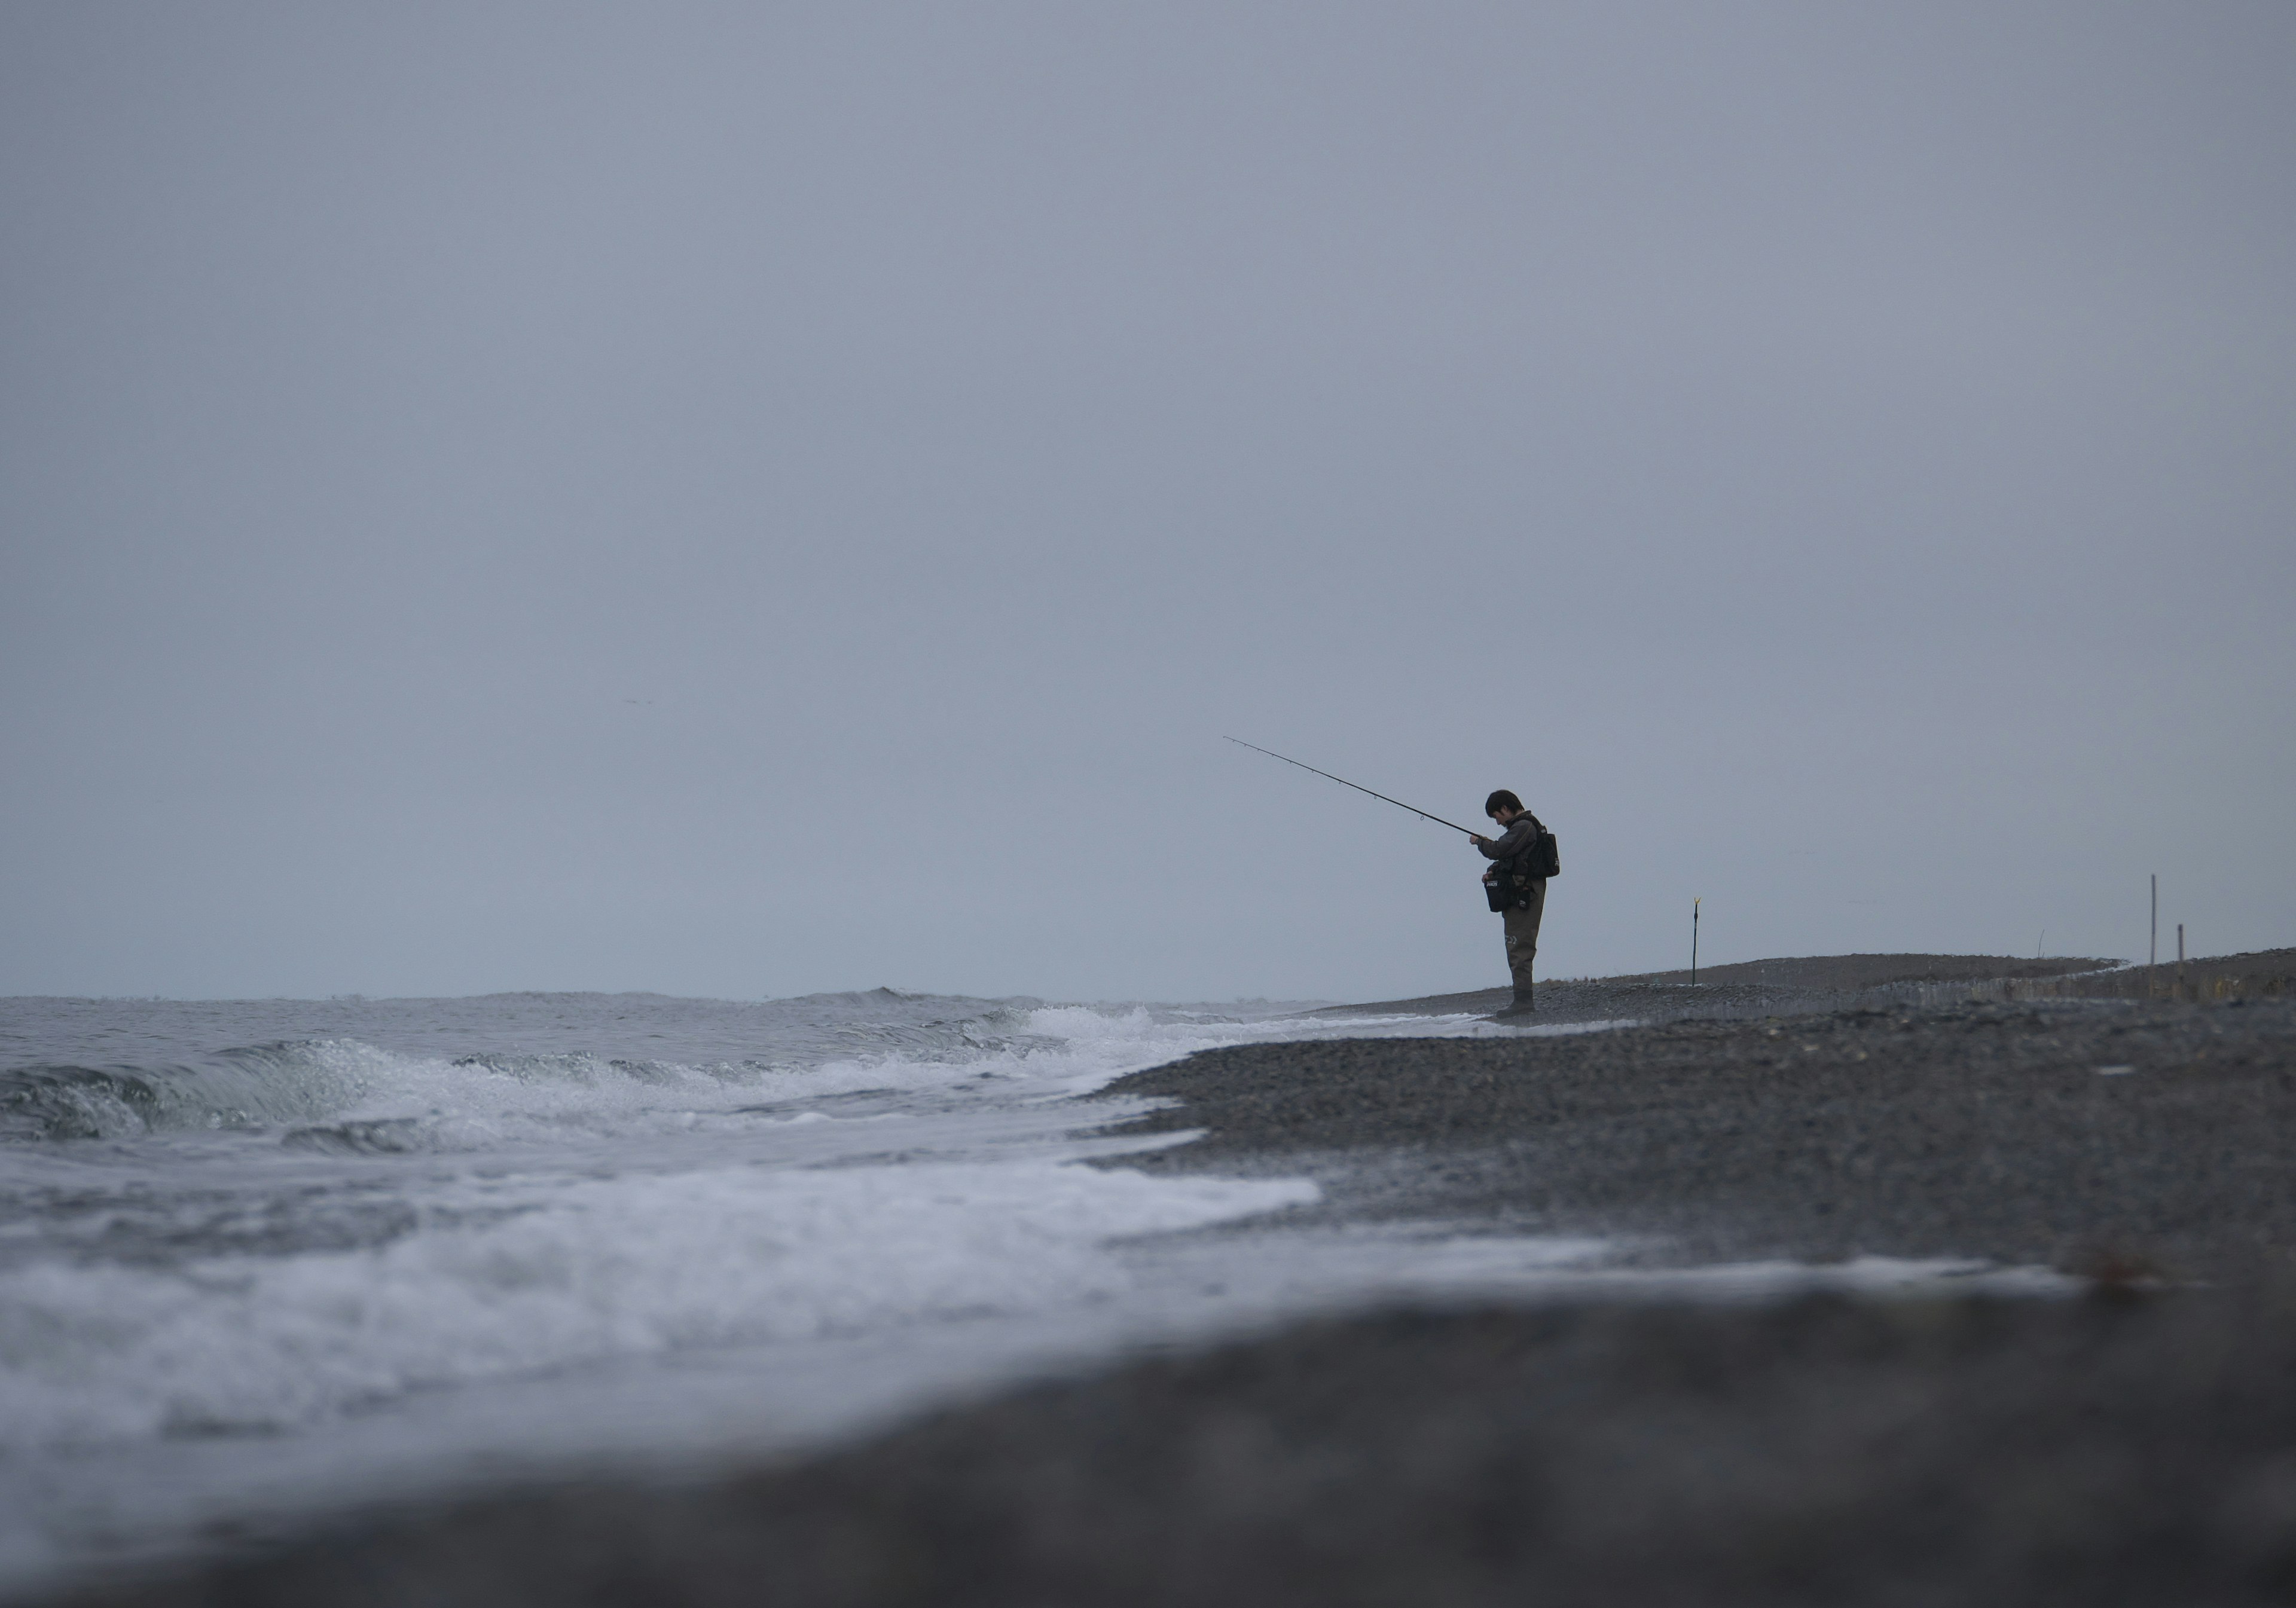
[(2124, 1447)]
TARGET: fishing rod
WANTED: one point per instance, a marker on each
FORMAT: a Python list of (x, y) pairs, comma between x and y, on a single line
[(1344, 782)]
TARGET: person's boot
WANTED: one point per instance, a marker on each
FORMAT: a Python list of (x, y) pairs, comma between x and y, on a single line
[(1521, 1007)]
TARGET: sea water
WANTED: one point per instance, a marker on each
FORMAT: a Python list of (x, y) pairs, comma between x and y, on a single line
[(258, 1259), (263, 1261)]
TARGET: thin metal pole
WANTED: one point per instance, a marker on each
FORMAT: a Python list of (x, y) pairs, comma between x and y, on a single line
[(1694, 942), (1359, 788), (2152, 954)]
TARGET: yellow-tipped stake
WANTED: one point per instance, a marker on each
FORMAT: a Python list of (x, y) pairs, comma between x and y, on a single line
[(1693, 942)]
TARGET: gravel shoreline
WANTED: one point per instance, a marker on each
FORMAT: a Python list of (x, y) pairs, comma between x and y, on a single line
[(2137, 1445), (2000, 1131)]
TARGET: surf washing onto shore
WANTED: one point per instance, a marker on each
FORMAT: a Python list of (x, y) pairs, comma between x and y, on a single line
[(260, 1257), (261, 1261)]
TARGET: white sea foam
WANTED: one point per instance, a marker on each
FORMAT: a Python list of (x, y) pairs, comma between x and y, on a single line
[(1055, 1051), (573, 1273), (845, 1220)]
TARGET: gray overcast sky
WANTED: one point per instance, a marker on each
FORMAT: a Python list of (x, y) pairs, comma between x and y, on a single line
[(745, 499)]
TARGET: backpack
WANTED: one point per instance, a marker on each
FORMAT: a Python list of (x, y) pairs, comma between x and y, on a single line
[(1538, 859), (1546, 859)]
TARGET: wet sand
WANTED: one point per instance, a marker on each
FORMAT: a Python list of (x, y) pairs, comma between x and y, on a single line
[(2134, 1445)]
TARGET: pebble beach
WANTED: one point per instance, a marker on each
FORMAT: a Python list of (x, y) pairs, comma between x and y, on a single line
[(2124, 1431)]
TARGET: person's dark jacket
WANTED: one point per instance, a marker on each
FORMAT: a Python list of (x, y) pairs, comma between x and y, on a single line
[(1515, 849)]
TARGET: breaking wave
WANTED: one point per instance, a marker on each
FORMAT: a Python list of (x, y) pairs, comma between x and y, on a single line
[(612, 1267), (348, 1096), (391, 1095), (796, 1170)]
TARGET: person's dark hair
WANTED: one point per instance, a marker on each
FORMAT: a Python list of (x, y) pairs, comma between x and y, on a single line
[(1501, 800)]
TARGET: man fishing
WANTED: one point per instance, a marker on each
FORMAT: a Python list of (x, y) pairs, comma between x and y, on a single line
[(1516, 887), (1525, 856)]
